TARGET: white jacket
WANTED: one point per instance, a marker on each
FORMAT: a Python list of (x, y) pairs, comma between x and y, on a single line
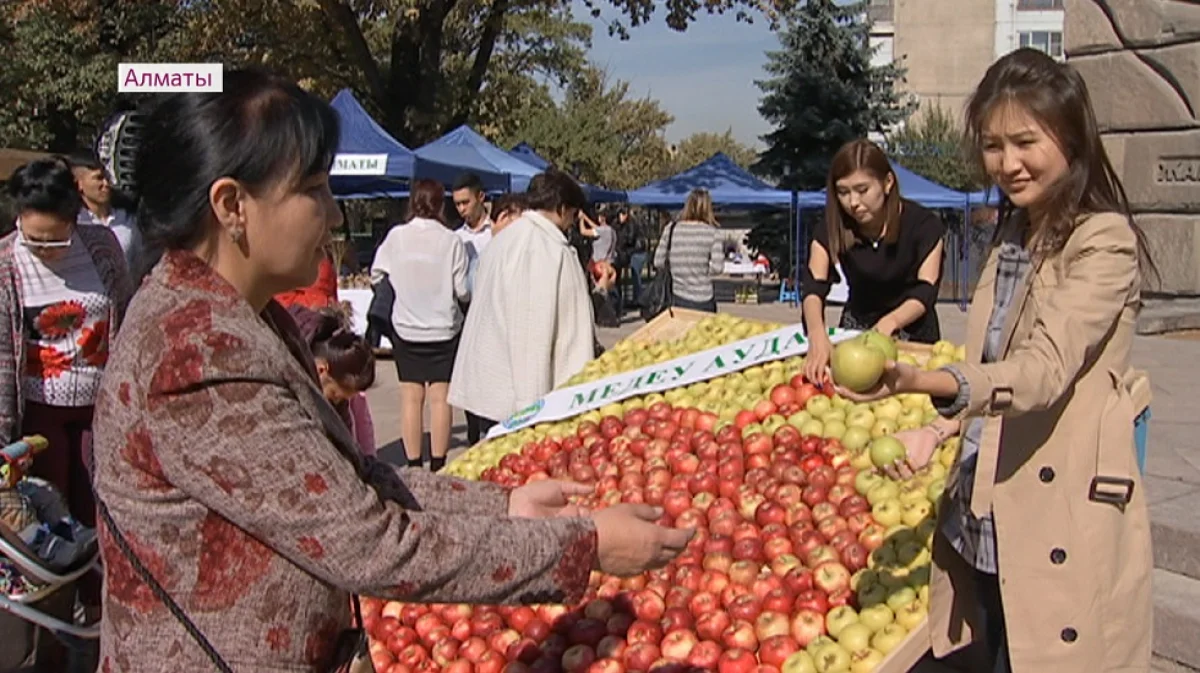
[(530, 326)]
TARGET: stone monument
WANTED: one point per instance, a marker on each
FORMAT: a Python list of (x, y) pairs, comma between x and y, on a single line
[(1141, 61)]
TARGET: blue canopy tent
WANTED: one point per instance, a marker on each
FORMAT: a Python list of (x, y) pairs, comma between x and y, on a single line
[(525, 153), (466, 148), (727, 183), (370, 163)]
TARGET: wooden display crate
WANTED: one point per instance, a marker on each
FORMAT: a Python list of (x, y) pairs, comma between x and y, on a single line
[(668, 326)]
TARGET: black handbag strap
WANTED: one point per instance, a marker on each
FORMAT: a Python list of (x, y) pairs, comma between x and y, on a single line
[(162, 595), (158, 590), (670, 280)]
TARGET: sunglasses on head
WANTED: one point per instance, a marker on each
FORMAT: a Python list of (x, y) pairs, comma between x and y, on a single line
[(45, 244)]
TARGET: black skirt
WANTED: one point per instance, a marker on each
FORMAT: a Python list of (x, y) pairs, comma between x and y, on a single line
[(425, 361)]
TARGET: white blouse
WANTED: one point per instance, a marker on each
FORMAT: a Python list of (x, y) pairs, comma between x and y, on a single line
[(427, 266), (530, 326)]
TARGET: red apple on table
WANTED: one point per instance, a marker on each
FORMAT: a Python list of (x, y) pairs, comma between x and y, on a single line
[(598, 609), (855, 557), (724, 524), (746, 530), (705, 655), (822, 511), (676, 619), (815, 600), (777, 546), (703, 603), (779, 600), (765, 408), (718, 561), (677, 645), (617, 625), (765, 584), (822, 475), (711, 625), (806, 626), (740, 635), (843, 539), (872, 536), (678, 596), (757, 444), (644, 632), (858, 522), (744, 572), (714, 582), (743, 418), (843, 596), (813, 494), (832, 526), (811, 460), (745, 608), (734, 592), (784, 564), (737, 660), (819, 555), (775, 650), (838, 493), (490, 662), (461, 630), (606, 666), (676, 502), (612, 647), (770, 624), (831, 576), (525, 650), (640, 656), (473, 648), (798, 580), (704, 482)]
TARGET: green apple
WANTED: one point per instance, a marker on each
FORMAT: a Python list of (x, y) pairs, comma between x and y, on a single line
[(910, 616), (887, 512), (839, 402), (856, 437), (883, 427), (862, 418), (886, 451), (916, 512), (937, 362), (913, 491), (923, 594), (911, 419), (900, 598), (865, 660), (856, 636), (886, 489), (912, 554), (892, 577), (937, 471), (856, 365), (817, 643), (813, 428), (889, 638), (832, 658), (799, 662), (885, 344), (862, 578), (860, 459), (818, 405), (866, 480), (798, 419), (834, 429), (876, 616), (834, 415), (751, 429), (919, 577), (773, 422), (838, 619), (889, 408)]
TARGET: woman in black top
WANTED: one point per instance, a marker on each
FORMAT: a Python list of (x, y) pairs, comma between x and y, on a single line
[(889, 248)]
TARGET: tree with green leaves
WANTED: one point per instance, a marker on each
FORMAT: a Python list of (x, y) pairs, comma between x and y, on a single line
[(931, 145), (698, 147), (823, 91), (599, 134)]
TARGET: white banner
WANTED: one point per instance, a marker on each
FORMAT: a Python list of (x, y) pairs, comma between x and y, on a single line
[(782, 343), (359, 164)]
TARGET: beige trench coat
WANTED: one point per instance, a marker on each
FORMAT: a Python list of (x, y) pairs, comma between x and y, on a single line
[(1074, 571)]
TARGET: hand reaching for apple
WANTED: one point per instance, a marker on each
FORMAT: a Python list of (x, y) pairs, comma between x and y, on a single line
[(919, 445), (630, 542), (897, 378), (816, 361), (546, 499)]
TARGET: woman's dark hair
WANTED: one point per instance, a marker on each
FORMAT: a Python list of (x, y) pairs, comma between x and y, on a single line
[(1056, 96), (858, 155), (260, 130), (351, 362), (509, 203), (46, 186), (554, 190), (427, 199)]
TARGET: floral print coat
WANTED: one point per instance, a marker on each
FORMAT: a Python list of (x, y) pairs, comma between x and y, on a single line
[(241, 490)]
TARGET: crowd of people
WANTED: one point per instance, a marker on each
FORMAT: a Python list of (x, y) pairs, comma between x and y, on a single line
[(213, 427)]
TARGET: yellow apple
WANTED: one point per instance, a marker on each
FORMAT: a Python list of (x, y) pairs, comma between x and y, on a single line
[(887, 512)]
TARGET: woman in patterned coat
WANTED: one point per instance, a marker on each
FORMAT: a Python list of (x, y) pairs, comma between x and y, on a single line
[(237, 515)]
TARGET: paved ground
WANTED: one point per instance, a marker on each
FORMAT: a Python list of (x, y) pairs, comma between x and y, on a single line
[(1172, 470)]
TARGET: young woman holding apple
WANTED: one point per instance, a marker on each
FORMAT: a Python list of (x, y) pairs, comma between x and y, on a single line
[(889, 247), (1043, 523)]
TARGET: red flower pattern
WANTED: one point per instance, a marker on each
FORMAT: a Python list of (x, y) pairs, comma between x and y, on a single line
[(230, 563), (45, 362), (503, 574), (181, 367), (123, 584), (123, 393), (315, 483), (279, 638), (194, 317), (311, 547), (138, 452), (93, 344), (318, 646), (59, 320), (185, 269), (575, 567)]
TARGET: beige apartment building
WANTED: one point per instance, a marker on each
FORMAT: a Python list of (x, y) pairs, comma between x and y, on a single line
[(946, 45)]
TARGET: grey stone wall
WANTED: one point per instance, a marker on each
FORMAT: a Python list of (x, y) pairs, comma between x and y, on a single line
[(1141, 60)]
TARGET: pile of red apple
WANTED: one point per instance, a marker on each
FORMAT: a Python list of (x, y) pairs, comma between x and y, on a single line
[(780, 530)]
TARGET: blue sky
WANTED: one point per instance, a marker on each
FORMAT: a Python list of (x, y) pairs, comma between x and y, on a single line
[(703, 76)]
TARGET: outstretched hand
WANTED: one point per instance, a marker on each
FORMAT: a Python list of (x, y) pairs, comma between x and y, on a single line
[(547, 499), (897, 378)]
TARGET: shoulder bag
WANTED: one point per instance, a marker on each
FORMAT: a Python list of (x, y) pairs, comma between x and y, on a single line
[(660, 293)]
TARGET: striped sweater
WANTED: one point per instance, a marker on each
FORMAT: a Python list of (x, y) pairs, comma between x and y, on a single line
[(697, 254)]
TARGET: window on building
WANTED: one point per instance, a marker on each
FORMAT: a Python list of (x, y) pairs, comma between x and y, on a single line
[(1049, 41), (1039, 5)]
